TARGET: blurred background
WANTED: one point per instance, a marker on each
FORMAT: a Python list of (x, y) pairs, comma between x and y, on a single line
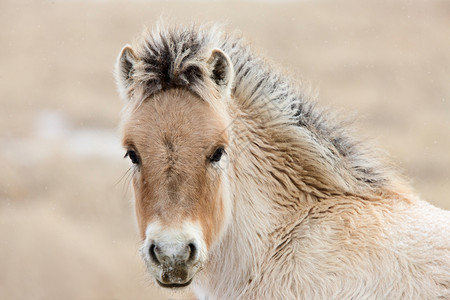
[(67, 227)]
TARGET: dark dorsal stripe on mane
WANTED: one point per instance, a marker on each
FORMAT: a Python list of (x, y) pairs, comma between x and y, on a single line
[(176, 57)]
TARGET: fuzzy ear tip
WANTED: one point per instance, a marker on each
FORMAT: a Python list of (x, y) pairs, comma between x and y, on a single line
[(217, 51), (124, 48), (216, 54), (126, 55)]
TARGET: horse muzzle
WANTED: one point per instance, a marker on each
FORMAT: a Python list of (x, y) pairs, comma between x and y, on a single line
[(173, 264), (173, 256)]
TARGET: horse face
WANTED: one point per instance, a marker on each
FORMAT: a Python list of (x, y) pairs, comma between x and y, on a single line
[(178, 147)]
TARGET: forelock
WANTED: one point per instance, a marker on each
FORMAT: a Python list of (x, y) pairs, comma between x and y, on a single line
[(175, 57)]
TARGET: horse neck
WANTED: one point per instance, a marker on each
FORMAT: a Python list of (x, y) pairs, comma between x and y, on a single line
[(235, 260), (260, 206)]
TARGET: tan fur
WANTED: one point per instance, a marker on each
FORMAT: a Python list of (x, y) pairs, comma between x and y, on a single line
[(315, 213), (175, 133)]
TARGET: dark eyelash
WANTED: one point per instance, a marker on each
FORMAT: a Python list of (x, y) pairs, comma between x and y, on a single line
[(217, 155), (133, 156)]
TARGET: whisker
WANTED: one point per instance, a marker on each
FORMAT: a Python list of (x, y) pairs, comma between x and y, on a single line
[(126, 180), (123, 176), (128, 177)]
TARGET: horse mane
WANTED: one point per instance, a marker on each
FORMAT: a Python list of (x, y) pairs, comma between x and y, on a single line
[(176, 57)]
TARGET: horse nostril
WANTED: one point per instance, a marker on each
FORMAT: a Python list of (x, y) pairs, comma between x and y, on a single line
[(152, 253), (167, 254), (192, 252)]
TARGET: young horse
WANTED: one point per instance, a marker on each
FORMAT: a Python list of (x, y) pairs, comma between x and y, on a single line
[(246, 189)]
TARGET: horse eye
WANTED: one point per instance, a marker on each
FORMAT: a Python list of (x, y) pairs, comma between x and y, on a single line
[(133, 156), (217, 154)]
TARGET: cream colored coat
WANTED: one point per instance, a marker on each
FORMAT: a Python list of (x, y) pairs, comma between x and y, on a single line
[(315, 213)]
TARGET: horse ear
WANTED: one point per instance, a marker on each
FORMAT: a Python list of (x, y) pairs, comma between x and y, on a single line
[(125, 67), (221, 70)]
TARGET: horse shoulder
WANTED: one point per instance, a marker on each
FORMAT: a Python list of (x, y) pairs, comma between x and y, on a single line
[(354, 248)]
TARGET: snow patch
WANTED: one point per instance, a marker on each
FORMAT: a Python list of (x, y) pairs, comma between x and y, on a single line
[(53, 135)]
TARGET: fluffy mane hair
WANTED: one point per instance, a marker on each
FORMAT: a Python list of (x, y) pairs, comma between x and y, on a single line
[(176, 57)]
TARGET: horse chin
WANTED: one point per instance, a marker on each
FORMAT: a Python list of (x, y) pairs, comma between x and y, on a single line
[(175, 278), (174, 285)]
